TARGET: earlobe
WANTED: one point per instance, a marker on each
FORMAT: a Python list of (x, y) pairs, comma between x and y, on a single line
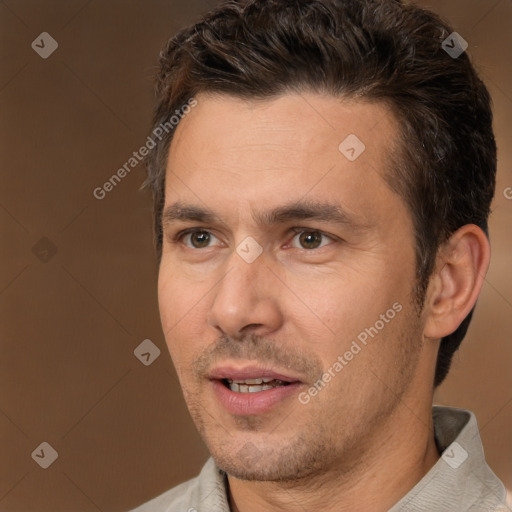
[(461, 265)]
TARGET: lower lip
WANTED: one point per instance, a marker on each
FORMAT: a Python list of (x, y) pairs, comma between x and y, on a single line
[(243, 404)]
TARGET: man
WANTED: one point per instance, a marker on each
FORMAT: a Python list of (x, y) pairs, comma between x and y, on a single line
[(321, 227)]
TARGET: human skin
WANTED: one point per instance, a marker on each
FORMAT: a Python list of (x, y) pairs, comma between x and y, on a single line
[(366, 438)]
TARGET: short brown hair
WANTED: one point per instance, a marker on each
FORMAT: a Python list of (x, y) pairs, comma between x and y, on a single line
[(378, 50)]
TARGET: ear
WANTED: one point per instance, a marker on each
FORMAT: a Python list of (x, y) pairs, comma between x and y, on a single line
[(461, 265)]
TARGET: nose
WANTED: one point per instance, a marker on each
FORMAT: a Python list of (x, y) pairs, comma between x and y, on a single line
[(245, 300)]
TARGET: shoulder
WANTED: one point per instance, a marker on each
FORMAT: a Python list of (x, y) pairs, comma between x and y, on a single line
[(460, 480)]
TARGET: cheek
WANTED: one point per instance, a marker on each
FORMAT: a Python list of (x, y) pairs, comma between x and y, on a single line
[(178, 293), (334, 311), (168, 302), (178, 306), (336, 304)]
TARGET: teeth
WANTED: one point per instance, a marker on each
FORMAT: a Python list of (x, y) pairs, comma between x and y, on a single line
[(254, 381), (263, 380), (249, 389), (253, 385), (256, 389)]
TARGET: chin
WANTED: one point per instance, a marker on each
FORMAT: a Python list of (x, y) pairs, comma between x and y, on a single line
[(285, 464), (262, 473)]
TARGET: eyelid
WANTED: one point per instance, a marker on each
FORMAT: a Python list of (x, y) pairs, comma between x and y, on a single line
[(177, 238), (296, 230)]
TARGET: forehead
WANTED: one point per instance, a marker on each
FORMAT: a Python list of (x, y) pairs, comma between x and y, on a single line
[(299, 124), (297, 146)]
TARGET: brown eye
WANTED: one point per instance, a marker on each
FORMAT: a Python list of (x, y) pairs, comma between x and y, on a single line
[(200, 239), (311, 239)]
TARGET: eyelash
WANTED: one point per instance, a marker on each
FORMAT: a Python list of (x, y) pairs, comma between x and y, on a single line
[(297, 230)]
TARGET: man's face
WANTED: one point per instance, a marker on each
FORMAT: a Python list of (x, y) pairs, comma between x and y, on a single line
[(273, 286)]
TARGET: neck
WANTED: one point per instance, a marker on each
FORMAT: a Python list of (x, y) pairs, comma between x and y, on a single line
[(382, 472)]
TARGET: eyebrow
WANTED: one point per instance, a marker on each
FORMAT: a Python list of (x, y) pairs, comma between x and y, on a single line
[(297, 210)]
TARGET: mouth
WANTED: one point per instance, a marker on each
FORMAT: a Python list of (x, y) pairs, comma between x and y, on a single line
[(253, 385), (251, 390)]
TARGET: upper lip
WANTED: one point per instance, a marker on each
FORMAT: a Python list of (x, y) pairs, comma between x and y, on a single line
[(249, 372)]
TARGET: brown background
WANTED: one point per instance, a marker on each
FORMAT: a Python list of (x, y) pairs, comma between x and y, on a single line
[(71, 320)]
